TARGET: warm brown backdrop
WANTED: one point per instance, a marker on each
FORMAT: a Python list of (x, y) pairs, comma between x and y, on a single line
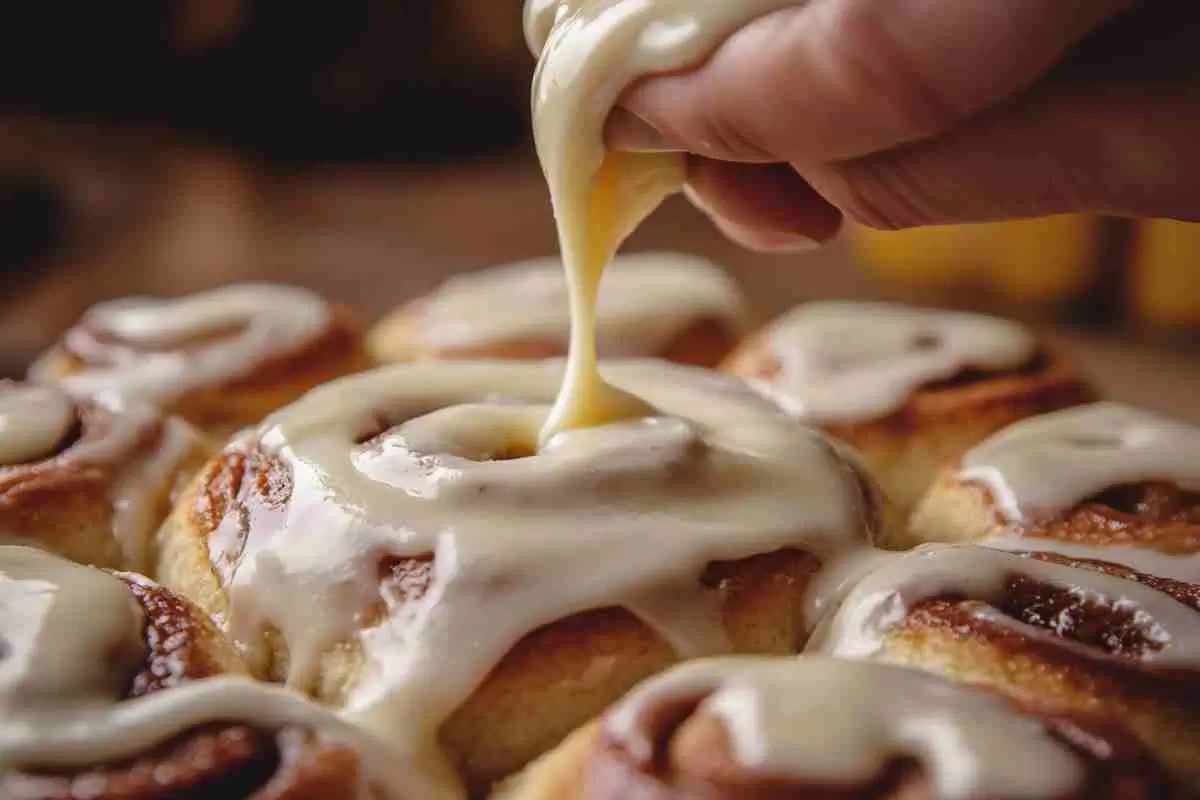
[(158, 218)]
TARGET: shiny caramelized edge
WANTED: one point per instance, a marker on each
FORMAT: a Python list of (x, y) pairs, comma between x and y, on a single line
[(1102, 520), (1079, 636)]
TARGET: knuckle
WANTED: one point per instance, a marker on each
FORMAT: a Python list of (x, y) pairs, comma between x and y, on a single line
[(874, 195), (707, 129), (730, 139), (874, 64)]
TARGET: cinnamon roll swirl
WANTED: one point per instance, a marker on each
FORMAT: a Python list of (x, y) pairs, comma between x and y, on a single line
[(397, 544), (1080, 635), (759, 728), (85, 480), (655, 304), (1092, 482), (221, 359), (911, 389), (112, 687)]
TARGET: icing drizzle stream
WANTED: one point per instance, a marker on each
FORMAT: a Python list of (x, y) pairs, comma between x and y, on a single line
[(588, 53)]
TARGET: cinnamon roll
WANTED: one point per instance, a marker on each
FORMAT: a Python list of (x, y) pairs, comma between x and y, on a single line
[(87, 481), (397, 544), (759, 728), (911, 389), (656, 304), (1080, 635), (1091, 482), (113, 687), (221, 359)]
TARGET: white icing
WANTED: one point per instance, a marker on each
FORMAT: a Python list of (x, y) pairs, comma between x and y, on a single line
[(622, 515), (71, 638), (143, 349), (829, 587), (840, 723), (1044, 466), (122, 730), (34, 421), (57, 619), (646, 299), (882, 601), (144, 486), (850, 361)]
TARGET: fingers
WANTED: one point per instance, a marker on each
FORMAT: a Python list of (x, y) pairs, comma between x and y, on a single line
[(836, 79), (762, 207), (1125, 151)]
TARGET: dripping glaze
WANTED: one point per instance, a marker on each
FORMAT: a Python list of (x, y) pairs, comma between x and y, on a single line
[(720, 475), (589, 52)]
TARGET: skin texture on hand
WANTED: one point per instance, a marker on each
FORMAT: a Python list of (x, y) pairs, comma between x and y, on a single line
[(900, 113)]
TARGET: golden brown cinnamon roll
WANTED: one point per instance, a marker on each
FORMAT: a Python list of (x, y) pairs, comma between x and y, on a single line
[(1096, 481), (1077, 635), (397, 544), (85, 480), (663, 305), (812, 727), (911, 389), (222, 359), (112, 687)]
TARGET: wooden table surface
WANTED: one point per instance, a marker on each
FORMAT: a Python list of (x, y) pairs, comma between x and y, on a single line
[(374, 237)]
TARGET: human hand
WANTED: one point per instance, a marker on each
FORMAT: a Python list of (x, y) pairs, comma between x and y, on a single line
[(900, 113)]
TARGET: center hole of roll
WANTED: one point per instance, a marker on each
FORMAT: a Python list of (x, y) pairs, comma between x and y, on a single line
[(924, 342), (513, 451), (1094, 441), (479, 432)]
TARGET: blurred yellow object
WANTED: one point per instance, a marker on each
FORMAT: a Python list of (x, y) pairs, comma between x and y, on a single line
[(1165, 272), (1042, 261), (933, 257), (1049, 260)]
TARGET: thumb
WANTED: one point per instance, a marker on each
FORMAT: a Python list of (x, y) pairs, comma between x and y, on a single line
[(836, 79), (1123, 151)]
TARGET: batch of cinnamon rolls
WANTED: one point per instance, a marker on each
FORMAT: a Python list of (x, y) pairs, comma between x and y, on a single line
[(864, 551)]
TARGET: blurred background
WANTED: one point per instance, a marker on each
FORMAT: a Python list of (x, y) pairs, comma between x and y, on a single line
[(370, 148)]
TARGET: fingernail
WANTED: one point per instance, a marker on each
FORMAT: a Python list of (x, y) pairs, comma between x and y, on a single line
[(627, 131), (766, 241)]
